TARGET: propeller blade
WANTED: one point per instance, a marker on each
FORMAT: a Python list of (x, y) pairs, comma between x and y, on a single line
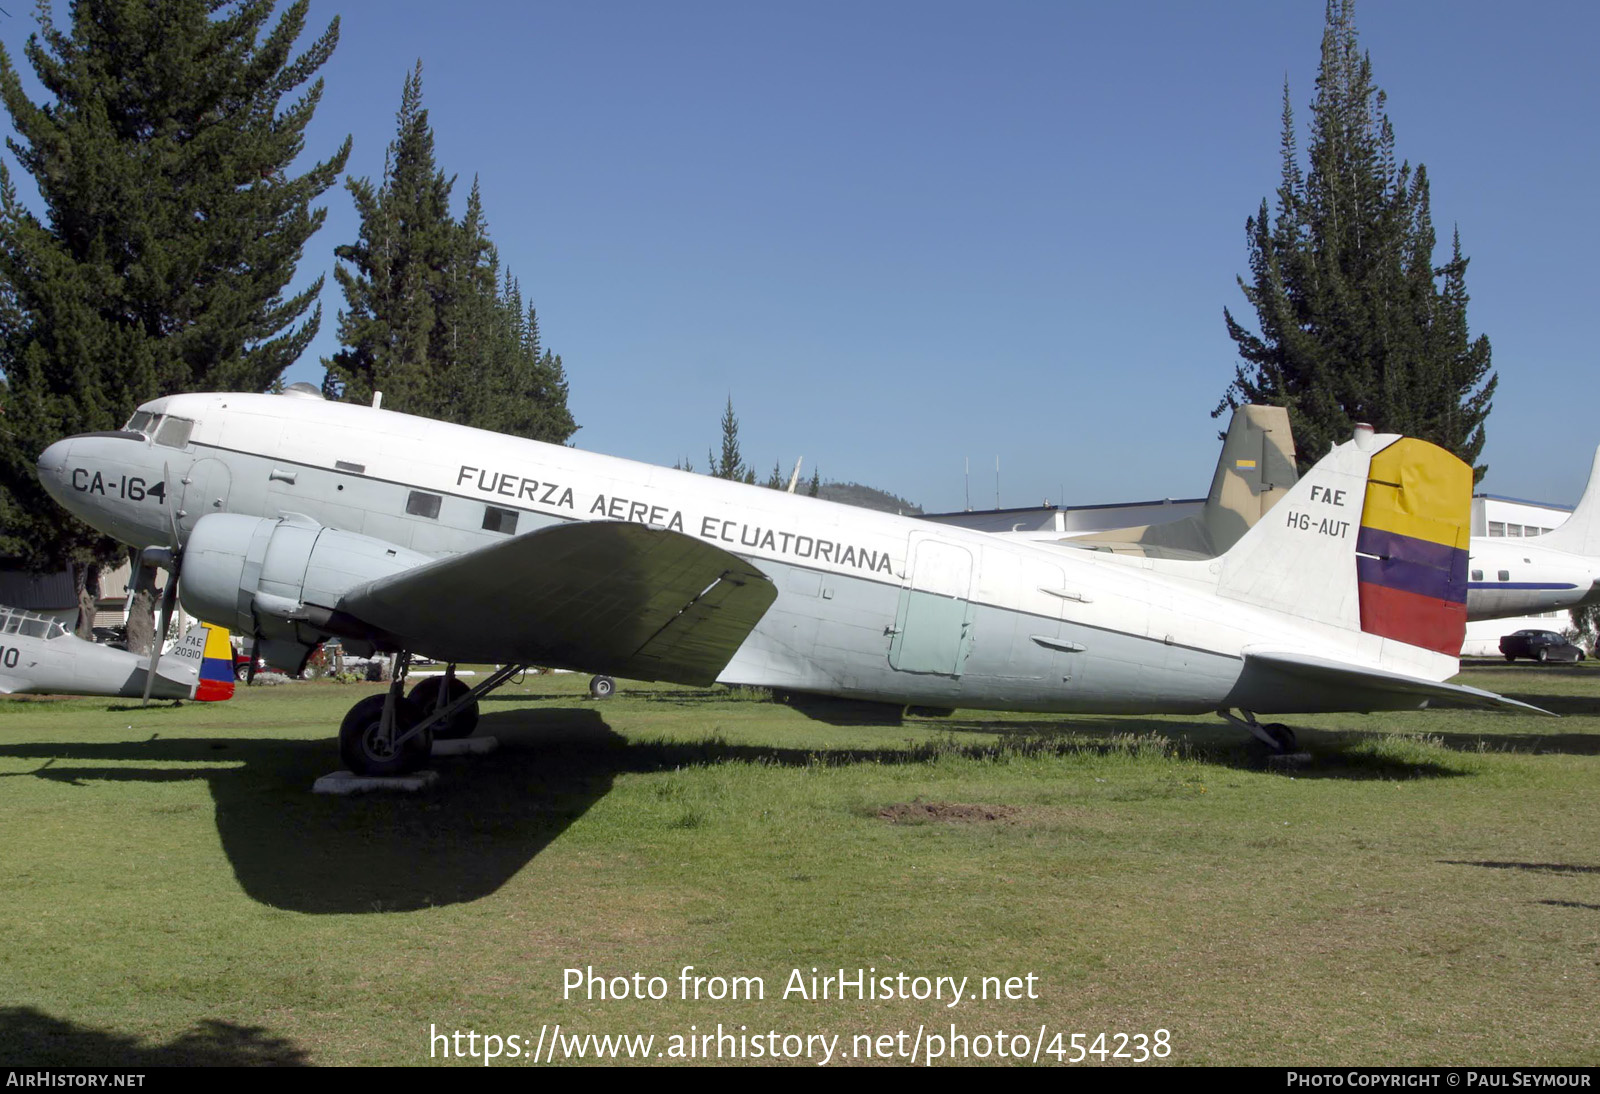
[(172, 506), (169, 558), (168, 595)]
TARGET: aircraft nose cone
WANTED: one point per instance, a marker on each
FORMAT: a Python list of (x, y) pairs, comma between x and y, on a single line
[(53, 468)]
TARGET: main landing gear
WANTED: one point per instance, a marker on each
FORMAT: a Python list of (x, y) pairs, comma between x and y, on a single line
[(392, 733), (1275, 735)]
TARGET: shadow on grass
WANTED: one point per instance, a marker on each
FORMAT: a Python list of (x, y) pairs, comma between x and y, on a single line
[(487, 818), (1334, 754), (29, 1038), (1534, 867)]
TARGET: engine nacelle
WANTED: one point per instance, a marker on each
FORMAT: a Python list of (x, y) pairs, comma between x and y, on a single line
[(280, 579)]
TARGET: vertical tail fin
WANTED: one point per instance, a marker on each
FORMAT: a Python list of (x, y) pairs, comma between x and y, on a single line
[(216, 665), (1373, 539), (1579, 534), (1255, 471)]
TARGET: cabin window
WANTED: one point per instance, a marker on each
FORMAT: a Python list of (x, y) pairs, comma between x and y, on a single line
[(174, 432), (1477, 575), (1505, 575), (423, 505), (500, 520)]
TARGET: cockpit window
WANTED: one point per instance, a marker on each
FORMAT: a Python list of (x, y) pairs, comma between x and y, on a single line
[(174, 432), (18, 621), (140, 422)]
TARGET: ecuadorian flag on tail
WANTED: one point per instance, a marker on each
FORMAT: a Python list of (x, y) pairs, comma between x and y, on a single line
[(1411, 550), (216, 667)]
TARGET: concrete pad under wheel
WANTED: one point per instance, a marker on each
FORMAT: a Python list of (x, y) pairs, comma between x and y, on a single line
[(465, 746), (346, 782)]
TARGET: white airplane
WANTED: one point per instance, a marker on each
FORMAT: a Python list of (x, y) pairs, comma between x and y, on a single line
[(1559, 569), (39, 656), (293, 519)]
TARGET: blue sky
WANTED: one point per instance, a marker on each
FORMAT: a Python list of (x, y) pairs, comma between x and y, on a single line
[(903, 235)]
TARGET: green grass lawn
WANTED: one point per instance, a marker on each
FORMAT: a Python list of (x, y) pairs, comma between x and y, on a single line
[(1426, 890)]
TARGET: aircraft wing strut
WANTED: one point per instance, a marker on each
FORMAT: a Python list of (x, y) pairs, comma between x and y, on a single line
[(608, 597)]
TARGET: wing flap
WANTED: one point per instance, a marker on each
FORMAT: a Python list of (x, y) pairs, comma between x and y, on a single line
[(607, 597), (1279, 682)]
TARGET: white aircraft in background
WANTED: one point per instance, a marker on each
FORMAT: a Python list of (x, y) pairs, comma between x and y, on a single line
[(292, 519), (1534, 574), (39, 656)]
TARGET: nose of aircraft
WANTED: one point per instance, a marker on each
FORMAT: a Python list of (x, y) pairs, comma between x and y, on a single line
[(53, 469)]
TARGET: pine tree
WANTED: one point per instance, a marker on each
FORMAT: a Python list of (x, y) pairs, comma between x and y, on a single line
[(431, 320), (172, 228), (1354, 325), (731, 465)]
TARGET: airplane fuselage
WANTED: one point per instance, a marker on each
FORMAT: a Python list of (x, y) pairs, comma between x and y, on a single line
[(37, 656), (869, 605), (1517, 577)]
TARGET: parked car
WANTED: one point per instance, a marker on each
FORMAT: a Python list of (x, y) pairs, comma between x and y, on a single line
[(1539, 645)]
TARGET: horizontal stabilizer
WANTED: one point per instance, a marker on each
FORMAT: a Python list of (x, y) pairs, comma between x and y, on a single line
[(1295, 683), (606, 597)]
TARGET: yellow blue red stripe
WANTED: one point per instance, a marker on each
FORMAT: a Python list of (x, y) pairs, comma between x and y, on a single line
[(216, 667), (1411, 549)]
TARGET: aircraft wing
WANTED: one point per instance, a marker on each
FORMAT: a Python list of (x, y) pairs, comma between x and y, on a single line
[(1275, 682), (602, 597)]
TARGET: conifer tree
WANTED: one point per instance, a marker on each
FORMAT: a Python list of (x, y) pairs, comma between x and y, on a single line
[(731, 464), (1353, 322), (171, 227), (431, 320)]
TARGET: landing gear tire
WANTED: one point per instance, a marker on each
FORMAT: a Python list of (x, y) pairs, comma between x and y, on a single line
[(1283, 738), (365, 753), (602, 687), (460, 724)]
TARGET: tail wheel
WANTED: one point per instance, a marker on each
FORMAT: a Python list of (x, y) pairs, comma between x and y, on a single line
[(362, 748), (602, 687), (460, 724)]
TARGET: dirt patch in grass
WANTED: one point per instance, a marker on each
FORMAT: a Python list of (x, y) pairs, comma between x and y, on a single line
[(913, 812)]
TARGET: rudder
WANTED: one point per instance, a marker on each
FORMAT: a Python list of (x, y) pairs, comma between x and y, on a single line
[(1412, 550), (1372, 539)]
